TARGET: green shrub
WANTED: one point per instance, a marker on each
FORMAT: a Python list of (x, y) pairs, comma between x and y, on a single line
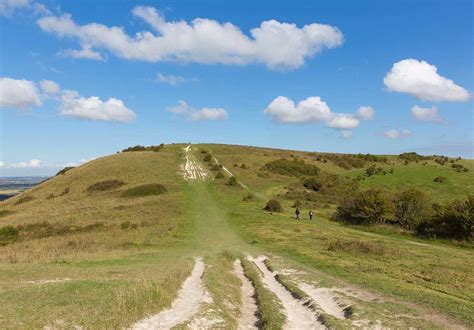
[(215, 167), (411, 208), (105, 185), (412, 157), (143, 148), (273, 206), (207, 158), (232, 181), (125, 225), (145, 190), (24, 199), (293, 167), (459, 168), (312, 184), (249, 197), (440, 179), (243, 166), (366, 207), (219, 175), (64, 170), (8, 234)]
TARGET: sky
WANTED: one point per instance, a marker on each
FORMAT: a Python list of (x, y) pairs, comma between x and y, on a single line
[(84, 79)]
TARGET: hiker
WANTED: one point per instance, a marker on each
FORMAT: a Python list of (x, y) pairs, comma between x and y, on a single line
[(310, 215), (297, 212)]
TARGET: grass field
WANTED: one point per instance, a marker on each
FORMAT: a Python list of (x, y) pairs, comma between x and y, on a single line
[(99, 259)]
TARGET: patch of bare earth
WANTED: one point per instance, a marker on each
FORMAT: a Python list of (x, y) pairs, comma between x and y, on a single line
[(325, 299), (187, 304)]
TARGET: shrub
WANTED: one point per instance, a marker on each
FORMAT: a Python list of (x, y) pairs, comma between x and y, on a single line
[(312, 184), (455, 220), (273, 206), (145, 190), (243, 166), (207, 158), (370, 170), (215, 167), (232, 181), (366, 207), (219, 175), (64, 170), (8, 234), (24, 199), (412, 157), (249, 197), (440, 179), (125, 225), (142, 148), (293, 167), (64, 192), (105, 185), (297, 204), (411, 208), (459, 168)]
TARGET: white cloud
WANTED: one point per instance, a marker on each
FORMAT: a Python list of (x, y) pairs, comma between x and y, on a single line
[(2, 164), (426, 114), (49, 87), (29, 164), (343, 121), (93, 108), (86, 52), (277, 45), (346, 134), (9, 7), (172, 79), (18, 94), (422, 80), (311, 109), (365, 113), (198, 114), (395, 134)]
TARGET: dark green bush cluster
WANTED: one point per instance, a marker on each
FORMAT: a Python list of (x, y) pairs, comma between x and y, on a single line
[(412, 157), (459, 168), (232, 181), (64, 170), (312, 184), (345, 161), (372, 158), (441, 160), (219, 175), (293, 167), (454, 220), (8, 234), (411, 208), (374, 170), (273, 206), (105, 185), (367, 207), (440, 179), (145, 190), (143, 148), (207, 158)]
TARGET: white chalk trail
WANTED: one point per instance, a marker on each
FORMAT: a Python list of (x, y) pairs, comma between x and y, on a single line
[(192, 170), (190, 297), (324, 298), (248, 317)]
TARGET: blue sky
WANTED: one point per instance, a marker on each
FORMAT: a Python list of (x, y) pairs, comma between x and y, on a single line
[(207, 81)]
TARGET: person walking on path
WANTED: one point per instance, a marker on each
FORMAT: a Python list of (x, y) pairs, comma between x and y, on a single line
[(310, 215), (297, 212)]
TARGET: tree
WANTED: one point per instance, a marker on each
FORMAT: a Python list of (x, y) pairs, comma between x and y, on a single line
[(366, 207), (411, 208)]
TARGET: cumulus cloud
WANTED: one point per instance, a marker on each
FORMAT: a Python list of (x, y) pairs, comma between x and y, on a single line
[(172, 79), (198, 114), (365, 113), (426, 114), (18, 94), (313, 110), (49, 87), (421, 79), (395, 134), (93, 108), (86, 52), (277, 45), (346, 134)]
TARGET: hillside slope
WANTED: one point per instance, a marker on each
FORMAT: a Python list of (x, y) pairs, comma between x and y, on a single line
[(109, 243)]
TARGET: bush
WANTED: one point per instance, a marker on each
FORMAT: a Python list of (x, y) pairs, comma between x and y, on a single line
[(243, 166), (455, 220), (207, 158), (312, 184), (24, 199), (411, 208), (293, 167), (8, 234), (459, 168), (297, 204), (366, 207), (125, 225), (145, 190), (219, 175), (142, 148), (215, 167), (64, 170), (232, 181), (105, 185), (440, 179), (273, 206)]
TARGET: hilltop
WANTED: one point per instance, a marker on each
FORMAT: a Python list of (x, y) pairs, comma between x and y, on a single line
[(114, 240)]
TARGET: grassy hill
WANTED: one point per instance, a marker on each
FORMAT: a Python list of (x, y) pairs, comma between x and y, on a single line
[(107, 243)]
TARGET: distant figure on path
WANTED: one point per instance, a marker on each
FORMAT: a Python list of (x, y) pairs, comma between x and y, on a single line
[(310, 215), (297, 212)]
